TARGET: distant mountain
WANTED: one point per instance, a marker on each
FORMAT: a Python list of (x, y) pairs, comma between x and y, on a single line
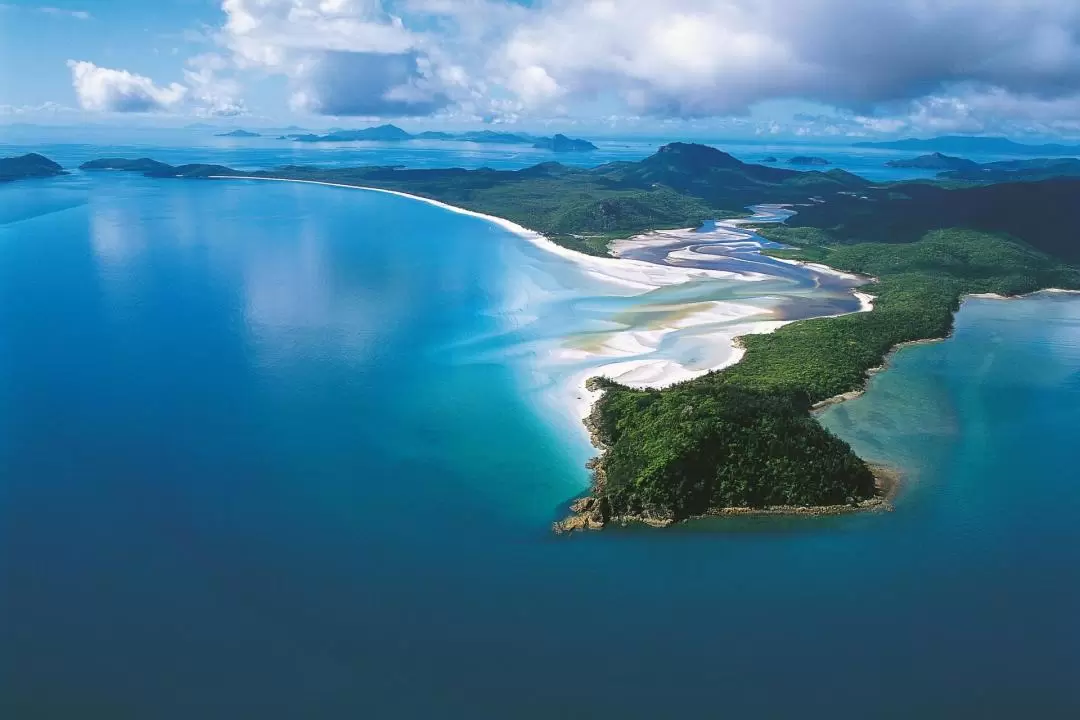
[(28, 166), (808, 160), (392, 133), (934, 161), (965, 145), (153, 168), (498, 138), (432, 135), (239, 133), (383, 133), (561, 143), (1016, 170)]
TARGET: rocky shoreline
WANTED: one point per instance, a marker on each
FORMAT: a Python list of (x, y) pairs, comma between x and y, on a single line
[(587, 513)]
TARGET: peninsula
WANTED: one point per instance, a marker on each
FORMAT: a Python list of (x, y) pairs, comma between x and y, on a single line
[(744, 439)]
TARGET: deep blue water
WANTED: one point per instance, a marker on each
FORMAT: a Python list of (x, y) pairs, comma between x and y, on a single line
[(259, 458)]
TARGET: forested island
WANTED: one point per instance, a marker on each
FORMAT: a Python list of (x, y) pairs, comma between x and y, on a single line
[(392, 133), (28, 166), (744, 438)]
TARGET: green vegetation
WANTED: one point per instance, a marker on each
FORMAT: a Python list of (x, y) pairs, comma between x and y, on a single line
[(682, 185), (1042, 214), (28, 166), (744, 436)]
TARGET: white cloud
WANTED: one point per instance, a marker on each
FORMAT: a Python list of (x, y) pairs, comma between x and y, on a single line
[(342, 57), (206, 93), (105, 89), (212, 94), (716, 57)]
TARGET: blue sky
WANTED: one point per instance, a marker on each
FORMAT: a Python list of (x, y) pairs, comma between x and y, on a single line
[(813, 68)]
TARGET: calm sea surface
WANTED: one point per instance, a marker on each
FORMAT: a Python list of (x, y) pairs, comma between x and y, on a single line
[(276, 451)]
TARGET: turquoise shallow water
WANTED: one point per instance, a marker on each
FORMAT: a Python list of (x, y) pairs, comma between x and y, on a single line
[(279, 451)]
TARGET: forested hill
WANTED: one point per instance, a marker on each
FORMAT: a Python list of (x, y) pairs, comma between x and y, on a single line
[(679, 186), (1044, 214), (28, 166)]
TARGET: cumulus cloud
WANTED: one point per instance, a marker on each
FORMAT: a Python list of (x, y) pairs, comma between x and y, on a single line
[(676, 58), (104, 89), (211, 93), (342, 57), (359, 83), (205, 92), (715, 57)]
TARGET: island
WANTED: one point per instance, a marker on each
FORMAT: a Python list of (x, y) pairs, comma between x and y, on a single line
[(393, 133), (28, 166), (969, 145), (561, 143), (770, 159), (934, 161), (239, 133), (808, 160), (744, 439)]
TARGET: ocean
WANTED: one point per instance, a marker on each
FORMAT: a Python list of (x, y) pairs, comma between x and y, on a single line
[(278, 450)]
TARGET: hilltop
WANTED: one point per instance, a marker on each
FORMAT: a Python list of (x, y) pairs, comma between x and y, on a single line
[(934, 161), (27, 166)]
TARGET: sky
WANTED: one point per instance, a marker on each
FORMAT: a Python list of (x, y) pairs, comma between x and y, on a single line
[(766, 68)]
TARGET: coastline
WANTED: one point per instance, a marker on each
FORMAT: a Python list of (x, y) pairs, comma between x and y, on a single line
[(630, 273), (628, 367), (816, 408), (646, 276)]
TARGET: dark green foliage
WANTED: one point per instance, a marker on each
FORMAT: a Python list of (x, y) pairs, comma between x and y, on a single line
[(703, 445), (679, 186), (1043, 214), (27, 166), (743, 437)]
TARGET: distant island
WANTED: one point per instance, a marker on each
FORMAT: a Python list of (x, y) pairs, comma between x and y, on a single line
[(1016, 170), (955, 168), (965, 145), (934, 161), (239, 133), (744, 439), (28, 166), (392, 133), (808, 160), (561, 143), (770, 159)]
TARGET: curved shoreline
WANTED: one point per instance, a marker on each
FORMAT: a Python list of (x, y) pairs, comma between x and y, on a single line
[(632, 273), (818, 407), (649, 276)]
